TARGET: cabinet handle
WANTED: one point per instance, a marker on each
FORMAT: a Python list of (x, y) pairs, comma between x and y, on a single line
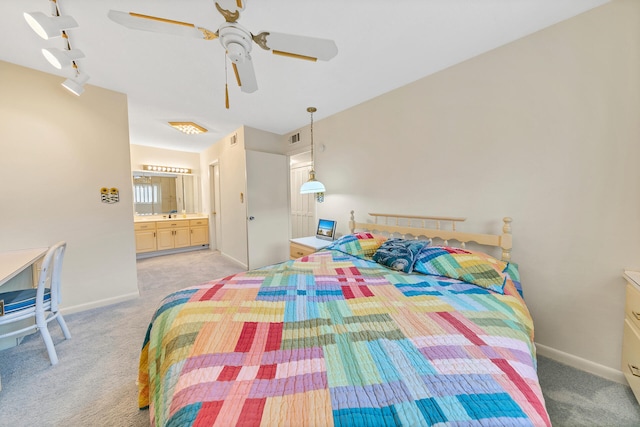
[(634, 370), (636, 315), (154, 234), (299, 253)]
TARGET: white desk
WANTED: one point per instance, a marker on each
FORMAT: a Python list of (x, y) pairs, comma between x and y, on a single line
[(13, 263)]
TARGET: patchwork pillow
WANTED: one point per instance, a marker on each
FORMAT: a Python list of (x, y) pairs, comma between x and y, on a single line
[(399, 254), (470, 266), (361, 245)]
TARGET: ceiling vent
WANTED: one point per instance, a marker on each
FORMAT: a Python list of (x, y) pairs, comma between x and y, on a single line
[(294, 138)]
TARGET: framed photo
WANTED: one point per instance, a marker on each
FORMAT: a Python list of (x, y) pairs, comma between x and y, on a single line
[(326, 229)]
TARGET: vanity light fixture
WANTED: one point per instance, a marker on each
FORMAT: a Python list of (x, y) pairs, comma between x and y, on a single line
[(55, 26), (169, 169), (189, 128), (312, 186)]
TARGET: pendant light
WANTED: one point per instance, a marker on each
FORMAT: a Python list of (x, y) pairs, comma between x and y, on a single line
[(312, 186)]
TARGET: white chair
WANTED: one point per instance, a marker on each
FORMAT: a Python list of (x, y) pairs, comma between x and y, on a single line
[(40, 303)]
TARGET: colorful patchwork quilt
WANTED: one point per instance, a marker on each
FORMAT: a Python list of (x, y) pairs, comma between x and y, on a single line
[(332, 339)]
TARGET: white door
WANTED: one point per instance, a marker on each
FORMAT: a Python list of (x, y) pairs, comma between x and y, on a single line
[(303, 212), (267, 208)]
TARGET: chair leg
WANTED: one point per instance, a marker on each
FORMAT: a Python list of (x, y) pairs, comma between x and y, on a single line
[(63, 326), (46, 336)]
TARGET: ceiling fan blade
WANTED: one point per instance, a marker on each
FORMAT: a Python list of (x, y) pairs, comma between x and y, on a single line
[(232, 4), (137, 21), (245, 75), (309, 48)]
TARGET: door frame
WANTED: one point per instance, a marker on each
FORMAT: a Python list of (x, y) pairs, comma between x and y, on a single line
[(215, 211)]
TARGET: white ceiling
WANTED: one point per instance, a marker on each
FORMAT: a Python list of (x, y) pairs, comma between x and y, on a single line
[(382, 45)]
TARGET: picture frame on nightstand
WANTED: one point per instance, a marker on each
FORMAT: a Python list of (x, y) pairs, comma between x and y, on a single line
[(326, 229)]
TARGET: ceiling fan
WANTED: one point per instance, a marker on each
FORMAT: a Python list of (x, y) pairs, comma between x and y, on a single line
[(236, 40)]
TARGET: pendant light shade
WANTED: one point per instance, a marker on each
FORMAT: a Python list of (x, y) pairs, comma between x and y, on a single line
[(313, 186)]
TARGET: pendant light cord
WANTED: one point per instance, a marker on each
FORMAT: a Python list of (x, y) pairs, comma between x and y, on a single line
[(313, 159), (312, 110)]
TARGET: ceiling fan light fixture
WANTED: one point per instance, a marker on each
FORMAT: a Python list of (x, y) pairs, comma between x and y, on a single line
[(76, 85), (62, 58), (189, 128), (49, 26)]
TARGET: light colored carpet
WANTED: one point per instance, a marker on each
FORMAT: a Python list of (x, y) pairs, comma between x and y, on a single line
[(94, 383), (576, 398)]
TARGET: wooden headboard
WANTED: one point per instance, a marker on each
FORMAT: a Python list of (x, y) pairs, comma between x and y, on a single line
[(434, 227)]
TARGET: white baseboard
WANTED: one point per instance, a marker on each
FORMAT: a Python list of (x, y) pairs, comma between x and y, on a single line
[(145, 255), (99, 303), (230, 258), (582, 364)]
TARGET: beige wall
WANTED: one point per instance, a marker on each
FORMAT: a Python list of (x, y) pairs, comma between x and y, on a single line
[(545, 130), (58, 150)]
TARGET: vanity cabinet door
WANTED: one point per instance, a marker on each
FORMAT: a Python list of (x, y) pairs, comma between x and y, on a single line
[(173, 234), (199, 236), (199, 232), (165, 239), (145, 241), (145, 236), (181, 237)]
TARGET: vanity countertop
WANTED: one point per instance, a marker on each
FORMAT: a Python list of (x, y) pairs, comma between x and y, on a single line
[(156, 218)]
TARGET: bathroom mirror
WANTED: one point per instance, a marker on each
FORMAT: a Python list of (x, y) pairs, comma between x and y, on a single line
[(157, 193)]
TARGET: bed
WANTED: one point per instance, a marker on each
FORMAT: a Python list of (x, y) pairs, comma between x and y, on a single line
[(390, 325)]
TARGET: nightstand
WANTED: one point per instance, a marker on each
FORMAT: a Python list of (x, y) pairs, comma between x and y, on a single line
[(303, 246), (631, 337)]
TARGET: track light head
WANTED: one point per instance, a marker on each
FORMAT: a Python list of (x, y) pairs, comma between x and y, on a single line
[(49, 26), (75, 85), (62, 58)]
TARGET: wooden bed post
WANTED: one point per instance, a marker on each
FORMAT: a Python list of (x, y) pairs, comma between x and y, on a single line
[(352, 223), (505, 239)]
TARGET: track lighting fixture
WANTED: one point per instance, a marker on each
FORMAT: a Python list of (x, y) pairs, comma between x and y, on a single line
[(55, 26)]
